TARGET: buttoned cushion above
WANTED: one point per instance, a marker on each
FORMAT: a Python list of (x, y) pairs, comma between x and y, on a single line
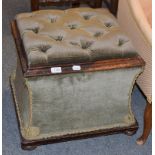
[(75, 35)]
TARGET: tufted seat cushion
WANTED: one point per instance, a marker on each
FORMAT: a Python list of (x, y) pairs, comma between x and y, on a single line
[(72, 36)]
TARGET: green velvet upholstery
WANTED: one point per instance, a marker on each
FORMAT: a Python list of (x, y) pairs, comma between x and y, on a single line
[(72, 36), (50, 106), (64, 104)]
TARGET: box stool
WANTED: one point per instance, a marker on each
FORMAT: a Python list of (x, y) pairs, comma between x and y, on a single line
[(75, 73)]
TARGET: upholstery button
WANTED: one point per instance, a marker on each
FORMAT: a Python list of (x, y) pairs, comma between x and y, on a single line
[(57, 38), (87, 16), (85, 44), (44, 48), (53, 20), (72, 26), (121, 42), (35, 30), (108, 25), (98, 34)]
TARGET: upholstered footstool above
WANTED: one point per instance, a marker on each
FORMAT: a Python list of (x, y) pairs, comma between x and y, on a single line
[(75, 74)]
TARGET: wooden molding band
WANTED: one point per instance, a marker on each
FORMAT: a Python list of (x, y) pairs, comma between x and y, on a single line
[(89, 67)]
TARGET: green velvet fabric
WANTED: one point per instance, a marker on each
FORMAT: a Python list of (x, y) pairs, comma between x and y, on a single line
[(74, 103)]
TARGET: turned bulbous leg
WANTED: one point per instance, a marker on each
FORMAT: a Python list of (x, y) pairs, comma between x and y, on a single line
[(147, 124)]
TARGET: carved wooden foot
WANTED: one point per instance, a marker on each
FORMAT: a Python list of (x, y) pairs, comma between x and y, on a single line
[(147, 124), (29, 148), (130, 132)]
